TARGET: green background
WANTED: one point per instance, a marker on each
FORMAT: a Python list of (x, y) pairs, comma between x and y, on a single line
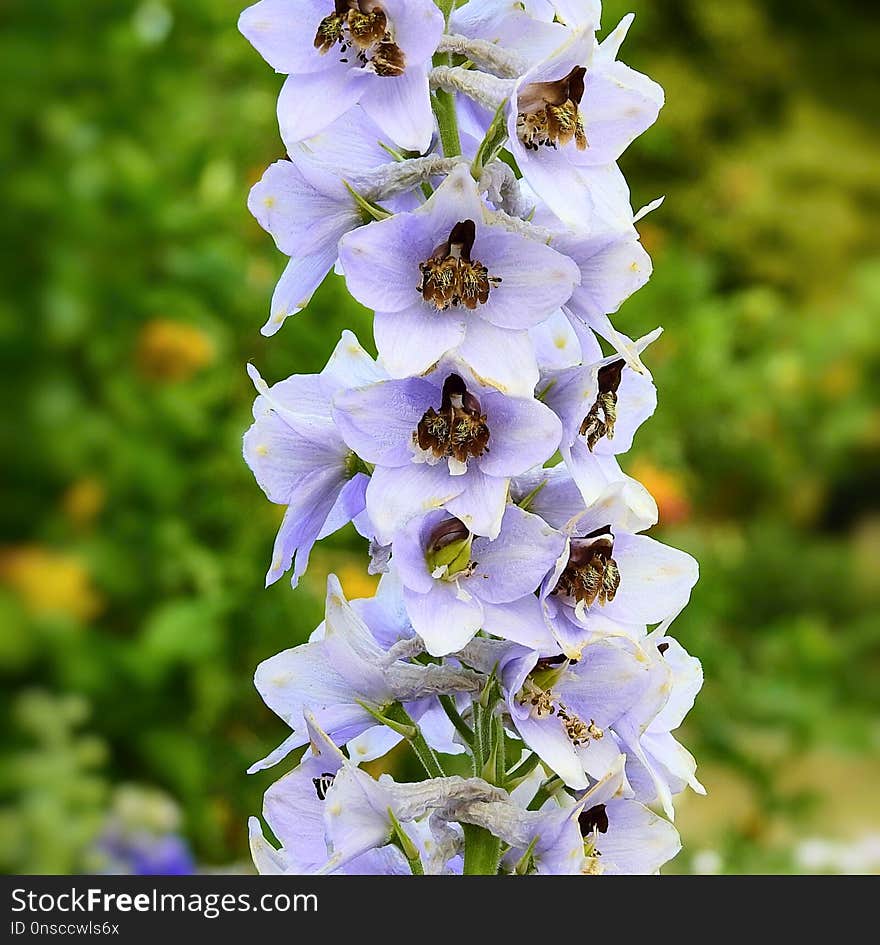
[(135, 541)]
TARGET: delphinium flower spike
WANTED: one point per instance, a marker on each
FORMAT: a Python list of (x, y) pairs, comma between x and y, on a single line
[(456, 164)]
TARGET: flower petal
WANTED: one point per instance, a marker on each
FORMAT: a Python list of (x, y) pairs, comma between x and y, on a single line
[(395, 495), (499, 357), (401, 107), (308, 104), (443, 620), (523, 433), (535, 279), (378, 421), (412, 340)]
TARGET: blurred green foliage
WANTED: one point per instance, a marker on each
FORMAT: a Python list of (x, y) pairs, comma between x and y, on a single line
[(135, 541)]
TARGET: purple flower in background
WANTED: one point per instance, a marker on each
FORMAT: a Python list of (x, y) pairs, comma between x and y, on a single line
[(143, 853), (455, 584), (338, 54), (442, 278), (442, 441)]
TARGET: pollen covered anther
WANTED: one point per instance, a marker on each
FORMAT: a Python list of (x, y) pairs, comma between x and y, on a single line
[(361, 29), (602, 415), (457, 430), (450, 277), (549, 113), (591, 573)]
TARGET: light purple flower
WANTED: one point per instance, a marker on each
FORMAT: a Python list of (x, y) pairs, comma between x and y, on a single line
[(526, 29), (294, 809), (339, 54), (455, 584), (442, 278), (299, 459), (612, 574), (443, 441), (574, 114), (601, 405), (620, 835), (564, 710), (333, 676), (306, 224), (658, 766)]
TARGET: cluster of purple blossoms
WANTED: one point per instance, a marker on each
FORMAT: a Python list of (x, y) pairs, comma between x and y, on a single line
[(456, 163)]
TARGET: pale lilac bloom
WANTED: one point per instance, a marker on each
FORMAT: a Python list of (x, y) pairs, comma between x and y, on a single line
[(299, 458), (294, 809), (565, 710), (360, 814), (385, 616), (386, 424), (658, 766), (610, 572), (621, 836), (500, 284), (353, 148), (306, 224), (487, 585), (601, 406), (387, 74), (333, 676), (607, 105), (305, 205)]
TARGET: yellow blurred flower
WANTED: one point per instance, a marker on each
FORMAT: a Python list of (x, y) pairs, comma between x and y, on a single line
[(49, 581), (355, 580), (668, 491), (172, 351), (83, 501)]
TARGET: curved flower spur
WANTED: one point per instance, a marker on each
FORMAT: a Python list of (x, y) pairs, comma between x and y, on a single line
[(459, 169)]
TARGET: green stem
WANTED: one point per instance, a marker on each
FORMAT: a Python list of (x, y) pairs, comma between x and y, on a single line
[(444, 109), (446, 8), (545, 792), (500, 754), (454, 716), (527, 767), (478, 749), (401, 840), (444, 102), (417, 742), (482, 851)]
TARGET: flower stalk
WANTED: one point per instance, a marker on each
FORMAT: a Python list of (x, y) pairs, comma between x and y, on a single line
[(456, 164)]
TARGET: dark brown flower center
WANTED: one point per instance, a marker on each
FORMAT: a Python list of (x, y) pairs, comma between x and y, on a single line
[(450, 277), (593, 820), (602, 416), (591, 573), (448, 533), (360, 27), (458, 429), (549, 112)]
